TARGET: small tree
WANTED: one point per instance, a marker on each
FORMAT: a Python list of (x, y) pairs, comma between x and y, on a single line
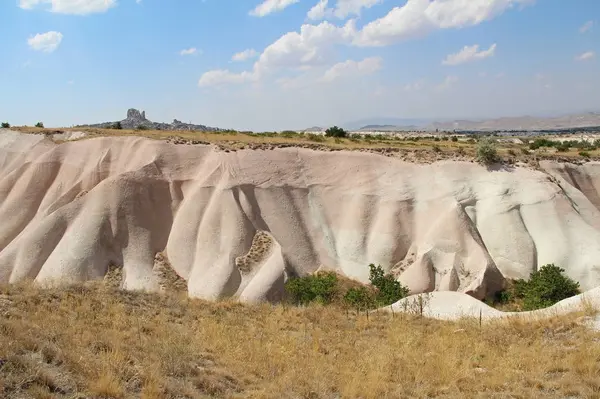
[(335, 132), (117, 126), (5, 125), (389, 290), (39, 124), (486, 151)]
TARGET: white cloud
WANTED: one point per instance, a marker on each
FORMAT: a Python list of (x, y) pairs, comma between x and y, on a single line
[(352, 68), (469, 54), (220, 77), (270, 6), (419, 17), (586, 27), (46, 42), (345, 8), (319, 11), (309, 47), (588, 55), (77, 7), (189, 51), (244, 55), (313, 45), (342, 8)]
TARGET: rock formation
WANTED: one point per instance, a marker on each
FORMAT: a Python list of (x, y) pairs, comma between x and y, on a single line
[(69, 211), (137, 120)]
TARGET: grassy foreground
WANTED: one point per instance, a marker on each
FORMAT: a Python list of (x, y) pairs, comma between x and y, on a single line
[(95, 342)]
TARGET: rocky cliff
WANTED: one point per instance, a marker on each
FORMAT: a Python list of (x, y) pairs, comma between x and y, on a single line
[(69, 211)]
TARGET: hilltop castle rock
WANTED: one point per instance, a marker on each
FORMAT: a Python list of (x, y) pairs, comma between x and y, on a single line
[(137, 120)]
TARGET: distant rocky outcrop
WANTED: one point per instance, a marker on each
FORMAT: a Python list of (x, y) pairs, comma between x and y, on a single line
[(137, 120)]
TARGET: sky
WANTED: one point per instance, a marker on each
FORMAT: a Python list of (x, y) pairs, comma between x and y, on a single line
[(293, 64)]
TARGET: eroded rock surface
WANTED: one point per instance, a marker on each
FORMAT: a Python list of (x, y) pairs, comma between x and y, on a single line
[(71, 210)]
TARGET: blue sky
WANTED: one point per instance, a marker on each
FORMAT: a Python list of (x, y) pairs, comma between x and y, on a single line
[(277, 64)]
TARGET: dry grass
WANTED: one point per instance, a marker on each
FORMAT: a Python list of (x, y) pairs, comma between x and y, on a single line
[(96, 342), (425, 150)]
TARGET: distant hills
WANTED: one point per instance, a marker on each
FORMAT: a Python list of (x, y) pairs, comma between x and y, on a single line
[(521, 123)]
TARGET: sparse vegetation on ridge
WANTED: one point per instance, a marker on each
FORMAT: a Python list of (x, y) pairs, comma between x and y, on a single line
[(418, 148)]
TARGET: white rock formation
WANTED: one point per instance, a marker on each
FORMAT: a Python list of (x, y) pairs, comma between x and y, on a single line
[(68, 211)]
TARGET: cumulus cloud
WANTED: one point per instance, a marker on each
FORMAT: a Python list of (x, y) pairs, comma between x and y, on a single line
[(588, 55), (313, 44), (419, 17), (221, 77), (469, 54), (46, 42), (189, 51), (270, 6), (77, 7), (342, 8), (352, 68), (244, 55), (319, 11), (586, 27)]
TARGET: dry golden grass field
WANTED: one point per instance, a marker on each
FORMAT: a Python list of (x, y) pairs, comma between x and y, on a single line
[(93, 341)]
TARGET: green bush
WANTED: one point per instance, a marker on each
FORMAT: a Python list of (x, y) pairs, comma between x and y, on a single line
[(335, 132), (315, 137), (584, 154), (5, 125), (544, 288), (454, 138), (486, 151), (117, 126), (359, 298), (389, 290), (39, 124), (321, 288), (142, 127)]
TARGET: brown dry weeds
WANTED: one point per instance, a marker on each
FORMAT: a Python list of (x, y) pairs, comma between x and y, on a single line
[(93, 341)]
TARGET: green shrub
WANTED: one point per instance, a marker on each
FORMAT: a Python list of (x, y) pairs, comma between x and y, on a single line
[(584, 154), (359, 298), (544, 288), (5, 125), (563, 147), (39, 124), (486, 151), (142, 127), (315, 137), (289, 134), (389, 290), (320, 288), (454, 138), (335, 132)]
